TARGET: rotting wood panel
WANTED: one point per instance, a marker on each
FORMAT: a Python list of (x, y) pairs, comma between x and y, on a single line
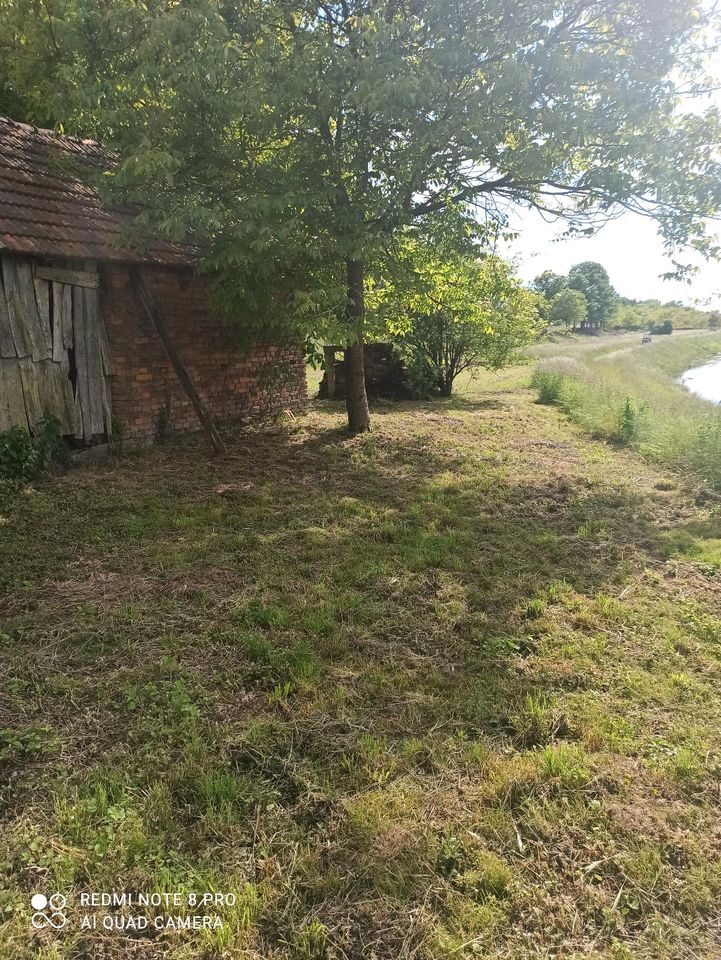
[(19, 325), (73, 278), (7, 344), (94, 377), (27, 312), (14, 401), (58, 325), (82, 392), (54, 350)]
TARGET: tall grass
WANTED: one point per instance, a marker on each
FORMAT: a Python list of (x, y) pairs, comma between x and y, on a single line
[(627, 393)]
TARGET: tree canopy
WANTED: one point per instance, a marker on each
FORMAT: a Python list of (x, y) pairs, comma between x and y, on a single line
[(568, 308), (452, 310), (297, 138), (548, 284), (592, 280)]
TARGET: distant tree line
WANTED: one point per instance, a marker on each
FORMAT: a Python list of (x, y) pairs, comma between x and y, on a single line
[(583, 300), (657, 317), (586, 301)]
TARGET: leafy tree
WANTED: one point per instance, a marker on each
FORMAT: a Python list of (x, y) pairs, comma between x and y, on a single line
[(452, 311), (298, 138), (665, 327), (11, 103), (592, 280), (569, 309), (548, 284), (714, 320)]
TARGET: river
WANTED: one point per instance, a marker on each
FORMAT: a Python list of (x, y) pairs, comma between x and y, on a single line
[(704, 381)]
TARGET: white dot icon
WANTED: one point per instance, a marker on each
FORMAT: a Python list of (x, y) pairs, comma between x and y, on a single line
[(39, 901)]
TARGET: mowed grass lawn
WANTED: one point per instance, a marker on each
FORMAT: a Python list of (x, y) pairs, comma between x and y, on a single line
[(447, 690)]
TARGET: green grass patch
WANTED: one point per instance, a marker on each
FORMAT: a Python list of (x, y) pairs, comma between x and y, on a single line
[(621, 391), (447, 691)]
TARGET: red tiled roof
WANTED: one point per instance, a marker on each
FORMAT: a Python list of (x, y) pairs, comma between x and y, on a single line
[(46, 208)]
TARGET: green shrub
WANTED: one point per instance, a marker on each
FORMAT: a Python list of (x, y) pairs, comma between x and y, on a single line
[(630, 420), (24, 456), (663, 328), (549, 386), (706, 451), (552, 379), (19, 455), (422, 379)]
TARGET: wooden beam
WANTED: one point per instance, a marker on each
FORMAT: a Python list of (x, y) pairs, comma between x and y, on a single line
[(186, 382), (77, 278)]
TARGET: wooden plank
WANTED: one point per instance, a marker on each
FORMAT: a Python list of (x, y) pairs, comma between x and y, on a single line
[(94, 361), (38, 325), (5, 418), (106, 352), (62, 341), (57, 323), (7, 343), (30, 373), (182, 374), (106, 357), (82, 394), (14, 399), (64, 395), (67, 309), (76, 278), (107, 406), (42, 302), (77, 418), (30, 333), (42, 376), (16, 308), (56, 395), (68, 396)]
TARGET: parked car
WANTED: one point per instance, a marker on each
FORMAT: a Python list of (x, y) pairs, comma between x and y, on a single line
[(646, 338)]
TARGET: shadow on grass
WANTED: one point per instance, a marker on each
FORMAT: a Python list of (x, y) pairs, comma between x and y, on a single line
[(403, 547), (230, 653), (383, 408)]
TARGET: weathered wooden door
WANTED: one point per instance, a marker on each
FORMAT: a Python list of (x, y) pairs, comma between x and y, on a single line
[(54, 353)]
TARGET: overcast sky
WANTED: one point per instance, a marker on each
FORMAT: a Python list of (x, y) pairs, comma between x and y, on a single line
[(629, 248)]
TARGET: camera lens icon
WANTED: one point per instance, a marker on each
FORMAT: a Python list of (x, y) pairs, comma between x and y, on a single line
[(48, 912)]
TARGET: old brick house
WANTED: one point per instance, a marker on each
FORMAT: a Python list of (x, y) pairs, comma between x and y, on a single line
[(77, 339)]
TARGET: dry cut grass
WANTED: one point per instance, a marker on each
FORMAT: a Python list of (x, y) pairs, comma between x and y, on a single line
[(448, 690)]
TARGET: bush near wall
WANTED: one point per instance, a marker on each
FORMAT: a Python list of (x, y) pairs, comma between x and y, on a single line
[(24, 456)]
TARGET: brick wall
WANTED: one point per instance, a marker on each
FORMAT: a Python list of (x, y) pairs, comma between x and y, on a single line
[(233, 382)]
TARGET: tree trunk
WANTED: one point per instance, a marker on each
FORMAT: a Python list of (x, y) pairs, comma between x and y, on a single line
[(356, 401), (329, 363)]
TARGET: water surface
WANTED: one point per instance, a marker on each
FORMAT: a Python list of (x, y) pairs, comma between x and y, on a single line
[(704, 381)]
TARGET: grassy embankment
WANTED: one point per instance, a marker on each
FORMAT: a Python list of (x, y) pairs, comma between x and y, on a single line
[(443, 691), (621, 390)]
